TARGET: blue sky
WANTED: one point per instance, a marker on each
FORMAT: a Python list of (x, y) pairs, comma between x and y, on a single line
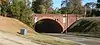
[(57, 3)]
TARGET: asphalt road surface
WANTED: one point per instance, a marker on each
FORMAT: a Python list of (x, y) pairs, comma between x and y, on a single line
[(78, 39)]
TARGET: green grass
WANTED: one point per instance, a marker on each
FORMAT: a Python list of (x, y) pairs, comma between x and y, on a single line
[(88, 25), (12, 26), (46, 40)]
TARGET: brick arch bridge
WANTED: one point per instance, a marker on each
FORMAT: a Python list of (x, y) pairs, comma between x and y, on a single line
[(64, 20)]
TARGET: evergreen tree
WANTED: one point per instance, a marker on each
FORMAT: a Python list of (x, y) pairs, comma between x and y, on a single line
[(19, 10), (3, 7), (98, 3), (90, 8), (41, 6), (73, 6)]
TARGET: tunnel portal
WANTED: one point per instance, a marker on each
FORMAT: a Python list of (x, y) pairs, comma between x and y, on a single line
[(48, 26)]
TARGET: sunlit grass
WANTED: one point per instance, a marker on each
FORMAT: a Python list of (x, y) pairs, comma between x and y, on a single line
[(12, 26), (48, 40)]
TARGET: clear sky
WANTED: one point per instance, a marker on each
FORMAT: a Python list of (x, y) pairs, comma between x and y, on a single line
[(57, 3)]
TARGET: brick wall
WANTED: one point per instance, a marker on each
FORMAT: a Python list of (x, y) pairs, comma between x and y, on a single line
[(69, 18)]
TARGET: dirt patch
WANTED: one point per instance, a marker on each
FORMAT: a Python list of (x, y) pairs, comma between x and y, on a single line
[(12, 25)]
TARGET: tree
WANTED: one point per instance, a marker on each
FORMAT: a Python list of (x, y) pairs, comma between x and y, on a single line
[(90, 8), (90, 5), (98, 8), (19, 11), (3, 7), (64, 5), (3, 1), (41, 6), (56, 11), (63, 10), (98, 4), (73, 6), (48, 5)]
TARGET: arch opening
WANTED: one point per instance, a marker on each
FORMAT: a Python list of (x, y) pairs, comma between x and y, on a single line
[(48, 26)]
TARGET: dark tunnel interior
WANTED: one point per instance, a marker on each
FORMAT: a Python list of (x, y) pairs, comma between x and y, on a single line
[(48, 26)]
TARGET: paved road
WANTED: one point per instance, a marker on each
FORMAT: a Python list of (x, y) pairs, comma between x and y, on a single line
[(9, 39), (79, 39)]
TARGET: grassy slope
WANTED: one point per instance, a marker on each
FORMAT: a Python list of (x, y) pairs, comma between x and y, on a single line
[(89, 25), (13, 26)]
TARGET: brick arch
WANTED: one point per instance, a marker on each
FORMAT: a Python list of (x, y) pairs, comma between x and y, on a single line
[(54, 20), (65, 20)]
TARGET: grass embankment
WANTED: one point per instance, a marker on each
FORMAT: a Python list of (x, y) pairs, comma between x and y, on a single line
[(13, 26), (88, 25), (48, 40)]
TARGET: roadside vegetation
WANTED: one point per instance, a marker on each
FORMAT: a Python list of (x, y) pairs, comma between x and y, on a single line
[(13, 26), (48, 40), (88, 25), (17, 9), (23, 11)]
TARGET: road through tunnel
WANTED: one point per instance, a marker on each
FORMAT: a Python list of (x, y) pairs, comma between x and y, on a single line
[(48, 26)]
